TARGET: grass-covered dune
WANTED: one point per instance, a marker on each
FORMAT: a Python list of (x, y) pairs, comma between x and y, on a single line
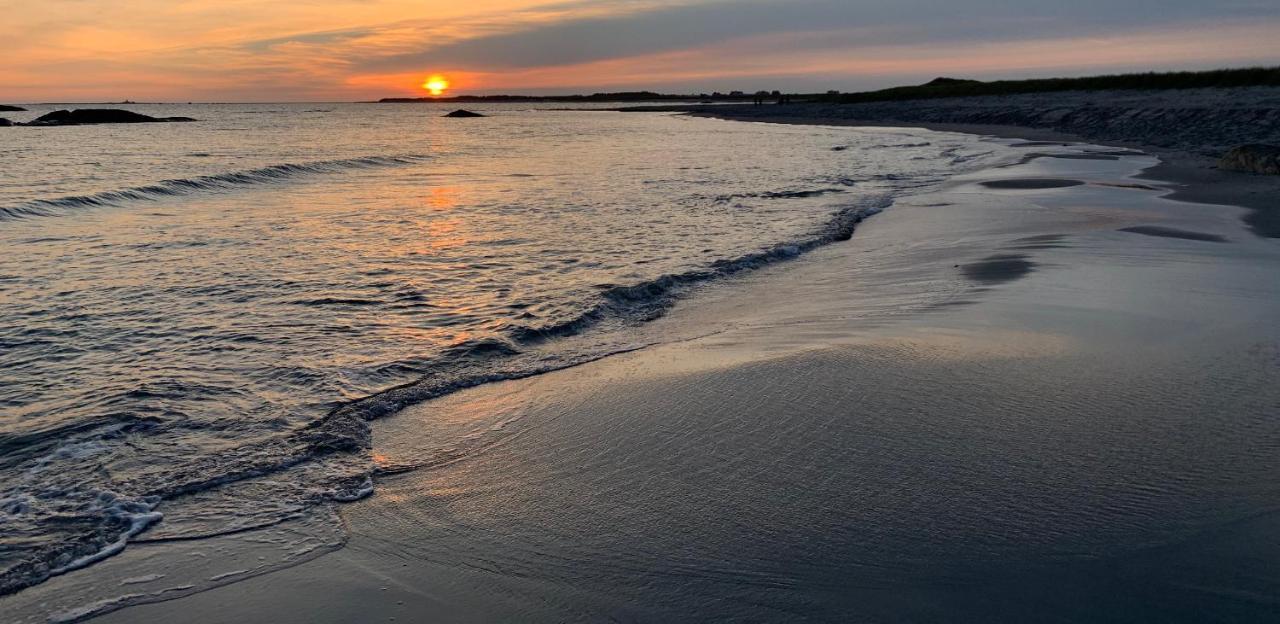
[(952, 87)]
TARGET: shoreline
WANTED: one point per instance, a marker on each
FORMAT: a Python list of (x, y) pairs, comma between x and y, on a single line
[(344, 427), (364, 580), (489, 537), (1192, 178), (836, 225), (1188, 153)]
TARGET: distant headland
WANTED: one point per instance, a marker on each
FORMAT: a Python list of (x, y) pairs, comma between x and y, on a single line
[(625, 96)]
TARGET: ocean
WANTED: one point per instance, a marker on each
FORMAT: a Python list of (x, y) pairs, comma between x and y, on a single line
[(199, 320)]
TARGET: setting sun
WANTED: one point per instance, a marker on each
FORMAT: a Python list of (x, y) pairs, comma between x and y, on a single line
[(436, 85)]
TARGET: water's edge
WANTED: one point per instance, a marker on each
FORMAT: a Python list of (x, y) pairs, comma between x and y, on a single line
[(345, 430)]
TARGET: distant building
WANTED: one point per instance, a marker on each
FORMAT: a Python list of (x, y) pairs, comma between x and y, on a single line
[(736, 94)]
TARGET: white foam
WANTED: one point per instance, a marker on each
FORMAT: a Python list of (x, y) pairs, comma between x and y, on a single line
[(226, 575), (138, 580), (365, 489), (138, 522)]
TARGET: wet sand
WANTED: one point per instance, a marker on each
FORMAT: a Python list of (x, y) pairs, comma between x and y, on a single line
[(1188, 166), (987, 406)]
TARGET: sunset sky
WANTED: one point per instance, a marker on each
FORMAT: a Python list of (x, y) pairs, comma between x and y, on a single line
[(250, 50)]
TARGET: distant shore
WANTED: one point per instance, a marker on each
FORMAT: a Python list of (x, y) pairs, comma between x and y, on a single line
[(627, 96), (1188, 129)]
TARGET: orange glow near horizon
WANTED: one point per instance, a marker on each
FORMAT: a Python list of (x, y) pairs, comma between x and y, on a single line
[(344, 50), (436, 85)]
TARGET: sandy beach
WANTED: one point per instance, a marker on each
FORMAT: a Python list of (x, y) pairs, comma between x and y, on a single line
[(1042, 392), (651, 311)]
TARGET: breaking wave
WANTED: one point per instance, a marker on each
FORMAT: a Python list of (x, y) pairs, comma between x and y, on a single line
[(650, 299), (221, 182), (110, 519)]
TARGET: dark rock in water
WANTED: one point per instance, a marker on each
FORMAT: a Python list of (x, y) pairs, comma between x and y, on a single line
[(1255, 158), (6, 107), (5, 122), (463, 113), (84, 116)]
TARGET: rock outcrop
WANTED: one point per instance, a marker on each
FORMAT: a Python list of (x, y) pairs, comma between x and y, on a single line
[(5, 122), (6, 107), (1253, 158), (85, 116), (463, 113)]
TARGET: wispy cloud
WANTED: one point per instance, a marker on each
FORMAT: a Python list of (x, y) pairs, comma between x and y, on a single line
[(342, 49)]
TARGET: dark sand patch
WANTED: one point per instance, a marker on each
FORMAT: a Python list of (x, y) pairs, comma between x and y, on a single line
[(999, 268), (1201, 182), (1031, 184), (1168, 232)]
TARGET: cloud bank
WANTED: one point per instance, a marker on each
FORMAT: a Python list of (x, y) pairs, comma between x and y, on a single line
[(236, 50)]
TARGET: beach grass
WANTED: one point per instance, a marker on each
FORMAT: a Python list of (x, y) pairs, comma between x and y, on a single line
[(954, 87)]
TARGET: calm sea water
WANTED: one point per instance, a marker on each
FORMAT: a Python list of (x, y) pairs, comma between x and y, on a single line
[(198, 320)]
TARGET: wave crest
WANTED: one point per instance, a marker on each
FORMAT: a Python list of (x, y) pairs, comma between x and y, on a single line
[(221, 182), (650, 299)]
